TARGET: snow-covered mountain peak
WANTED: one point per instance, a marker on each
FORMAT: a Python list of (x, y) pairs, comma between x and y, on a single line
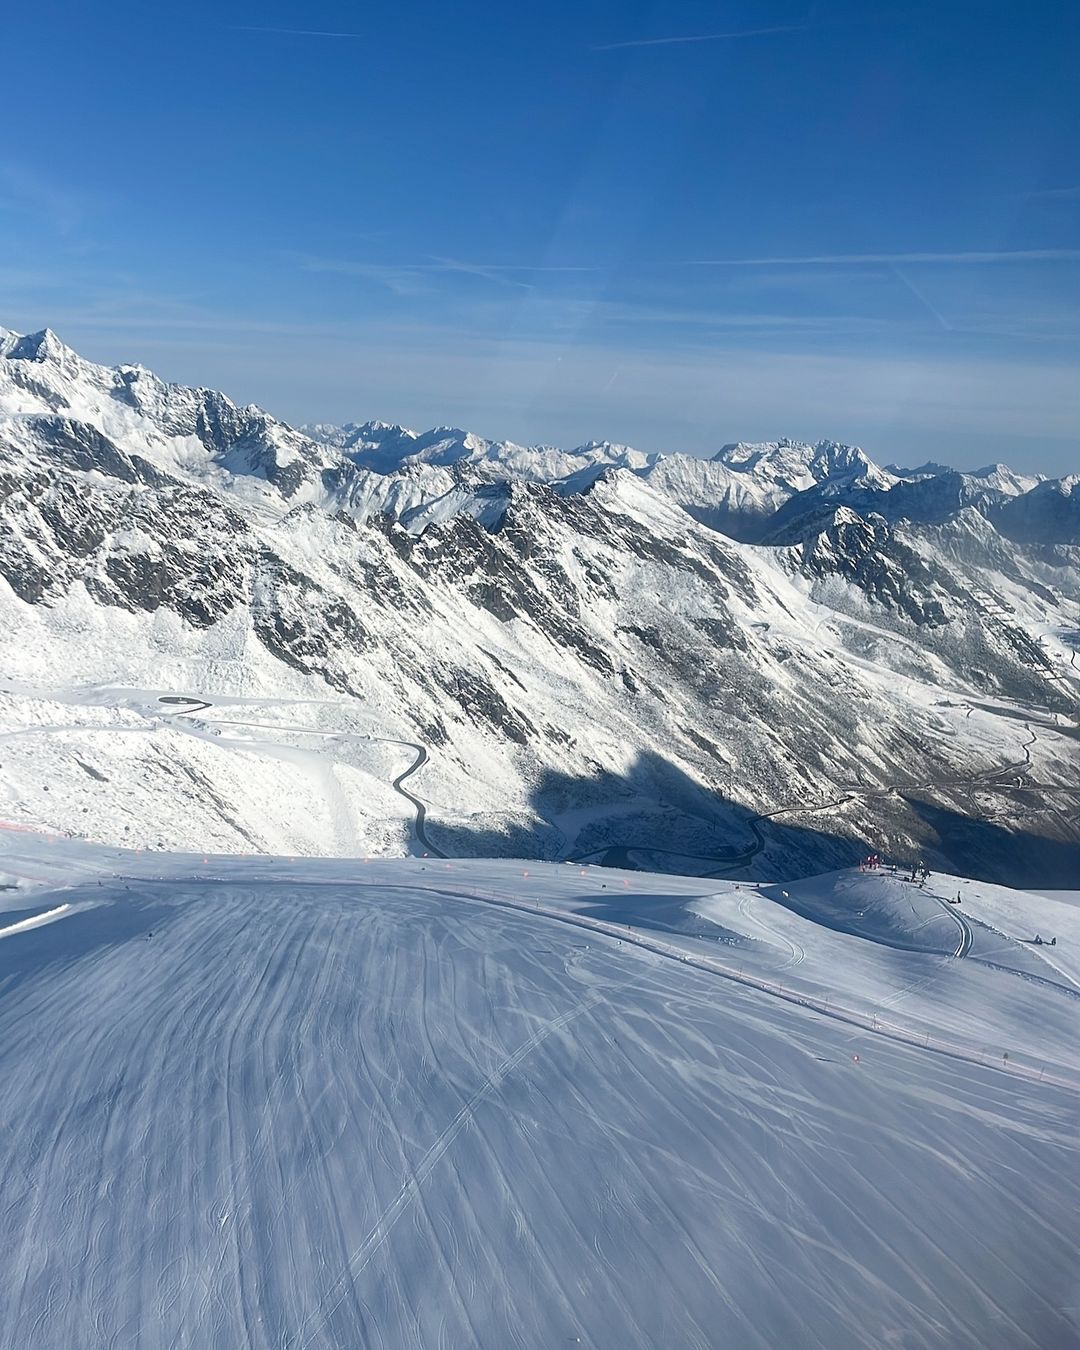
[(799, 465), (376, 425), (844, 515), (614, 453), (41, 346), (126, 421), (927, 470), (1000, 478), (1048, 514), (350, 434), (634, 492)]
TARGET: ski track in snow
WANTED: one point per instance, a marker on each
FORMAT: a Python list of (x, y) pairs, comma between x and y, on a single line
[(798, 954), (414, 1110)]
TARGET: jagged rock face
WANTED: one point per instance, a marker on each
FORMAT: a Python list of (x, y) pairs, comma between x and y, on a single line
[(868, 554), (176, 546), (587, 632), (78, 445)]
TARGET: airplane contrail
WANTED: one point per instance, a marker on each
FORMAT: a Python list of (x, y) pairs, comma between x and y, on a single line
[(890, 259), (700, 37), (917, 293), (291, 32)]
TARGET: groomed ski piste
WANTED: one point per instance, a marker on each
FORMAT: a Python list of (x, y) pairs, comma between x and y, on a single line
[(288, 1103)]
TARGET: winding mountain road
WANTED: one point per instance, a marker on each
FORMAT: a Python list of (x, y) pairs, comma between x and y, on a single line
[(186, 705), (420, 823)]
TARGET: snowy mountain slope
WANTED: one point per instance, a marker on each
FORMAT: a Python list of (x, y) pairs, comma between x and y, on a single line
[(1049, 513), (124, 422), (587, 670), (999, 477), (278, 1103), (765, 476), (1025, 510)]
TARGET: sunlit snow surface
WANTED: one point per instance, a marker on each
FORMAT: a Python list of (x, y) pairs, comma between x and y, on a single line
[(285, 1103)]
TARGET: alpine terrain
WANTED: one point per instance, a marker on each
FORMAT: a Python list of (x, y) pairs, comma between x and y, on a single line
[(227, 633), (320, 1024)]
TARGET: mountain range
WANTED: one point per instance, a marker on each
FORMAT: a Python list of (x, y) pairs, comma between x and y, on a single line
[(762, 663)]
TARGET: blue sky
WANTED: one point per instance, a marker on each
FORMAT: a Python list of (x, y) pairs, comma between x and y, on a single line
[(673, 225)]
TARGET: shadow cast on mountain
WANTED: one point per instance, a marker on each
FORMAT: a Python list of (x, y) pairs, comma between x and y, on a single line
[(651, 817), (654, 817), (987, 851)]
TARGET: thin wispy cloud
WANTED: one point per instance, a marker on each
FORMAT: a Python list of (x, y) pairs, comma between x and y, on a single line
[(290, 32), (451, 264), (415, 278), (895, 259), (647, 318), (403, 281), (700, 37), (1060, 194), (503, 276), (438, 264)]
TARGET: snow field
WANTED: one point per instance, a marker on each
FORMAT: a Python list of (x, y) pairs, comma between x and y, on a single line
[(348, 1103)]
